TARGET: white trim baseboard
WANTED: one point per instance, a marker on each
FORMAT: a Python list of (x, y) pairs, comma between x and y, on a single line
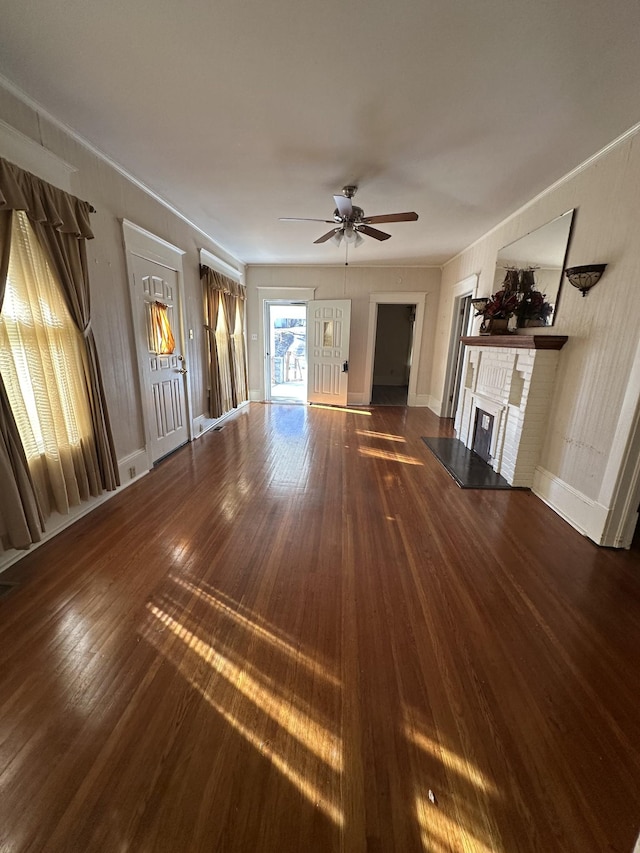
[(133, 466), (584, 514), (203, 424), (357, 398), (426, 401)]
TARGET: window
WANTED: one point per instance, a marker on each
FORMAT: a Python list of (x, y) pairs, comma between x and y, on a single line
[(41, 361)]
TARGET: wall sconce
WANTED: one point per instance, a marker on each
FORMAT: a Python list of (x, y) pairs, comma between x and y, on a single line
[(480, 304), (585, 277)]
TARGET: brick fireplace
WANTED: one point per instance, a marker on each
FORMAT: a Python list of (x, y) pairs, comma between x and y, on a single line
[(504, 400)]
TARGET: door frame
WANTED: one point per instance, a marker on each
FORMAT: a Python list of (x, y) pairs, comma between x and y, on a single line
[(143, 244), (417, 298), (282, 295), (467, 287)]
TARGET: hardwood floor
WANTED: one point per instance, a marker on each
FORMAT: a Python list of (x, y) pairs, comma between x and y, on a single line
[(298, 632)]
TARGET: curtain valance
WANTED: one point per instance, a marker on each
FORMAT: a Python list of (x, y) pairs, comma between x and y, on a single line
[(217, 281), (42, 202)]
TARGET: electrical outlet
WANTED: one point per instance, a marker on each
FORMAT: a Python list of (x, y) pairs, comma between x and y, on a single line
[(132, 472)]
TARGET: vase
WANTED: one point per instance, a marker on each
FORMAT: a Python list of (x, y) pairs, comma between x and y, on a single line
[(498, 325)]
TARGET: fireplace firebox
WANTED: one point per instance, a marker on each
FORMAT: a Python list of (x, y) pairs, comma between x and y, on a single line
[(482, 433)]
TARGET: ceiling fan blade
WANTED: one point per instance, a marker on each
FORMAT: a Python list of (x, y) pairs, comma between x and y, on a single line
[(373, 232), (327, 236), (301, 219), (392, 217), (344, 205)]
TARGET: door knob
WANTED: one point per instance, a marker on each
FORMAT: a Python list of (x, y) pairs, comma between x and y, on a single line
[(182, 370)]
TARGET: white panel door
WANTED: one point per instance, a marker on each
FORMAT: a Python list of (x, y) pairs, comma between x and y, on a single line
[(163, 375), (328, 326)]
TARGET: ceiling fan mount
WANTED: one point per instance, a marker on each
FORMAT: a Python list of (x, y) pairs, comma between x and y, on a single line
[(349, 220), (357, 214)]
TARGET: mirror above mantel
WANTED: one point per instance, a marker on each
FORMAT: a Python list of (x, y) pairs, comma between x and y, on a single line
[(545, 252)]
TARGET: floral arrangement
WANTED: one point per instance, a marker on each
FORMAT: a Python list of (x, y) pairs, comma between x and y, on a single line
[(518, 296), (501, 306), (535, 307)]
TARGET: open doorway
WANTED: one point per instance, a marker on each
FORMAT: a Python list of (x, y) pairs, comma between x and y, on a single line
[(392, 355), (286, 362), (461, 324), (464, 315)]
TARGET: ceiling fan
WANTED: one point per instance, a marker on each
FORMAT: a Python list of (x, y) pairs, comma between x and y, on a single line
[(350, 223)]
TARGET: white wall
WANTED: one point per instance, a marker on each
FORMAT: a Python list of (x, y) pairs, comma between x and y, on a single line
[(594, 404), (354, 283)]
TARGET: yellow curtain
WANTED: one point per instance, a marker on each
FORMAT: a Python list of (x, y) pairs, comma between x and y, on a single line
[(42, 361), (242, 382), (161, 339), (225, 365)]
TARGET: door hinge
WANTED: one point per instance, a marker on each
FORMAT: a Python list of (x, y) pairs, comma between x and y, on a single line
[(345, 367)]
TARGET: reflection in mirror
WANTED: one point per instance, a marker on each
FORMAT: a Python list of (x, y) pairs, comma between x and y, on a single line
[(543, 252)]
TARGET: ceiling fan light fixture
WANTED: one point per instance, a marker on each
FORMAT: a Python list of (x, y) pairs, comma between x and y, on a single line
[(350, 223), (351, 235)]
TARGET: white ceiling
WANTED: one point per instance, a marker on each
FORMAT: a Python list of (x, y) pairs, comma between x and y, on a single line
[(238, 112)]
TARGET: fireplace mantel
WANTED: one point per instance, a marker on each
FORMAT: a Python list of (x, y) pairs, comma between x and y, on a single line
[(517, 341), (509, 378)]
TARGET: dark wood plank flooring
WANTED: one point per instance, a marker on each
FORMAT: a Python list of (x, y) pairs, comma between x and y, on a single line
[(299, 635), (389, 395)]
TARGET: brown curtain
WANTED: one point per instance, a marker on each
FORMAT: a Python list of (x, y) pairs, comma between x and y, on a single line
[(225, 335), (62, 225), (21, 522)]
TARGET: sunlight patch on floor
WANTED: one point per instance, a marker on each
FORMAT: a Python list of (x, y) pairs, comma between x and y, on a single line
[(387, 436), (295, 654), (303, 785), (314, 737), (442, 834), (376, 453), (460, 766), (341, 409), (256, 619), (256, 701)]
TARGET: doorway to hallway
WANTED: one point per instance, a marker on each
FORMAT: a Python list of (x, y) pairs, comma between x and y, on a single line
[(392, 354)]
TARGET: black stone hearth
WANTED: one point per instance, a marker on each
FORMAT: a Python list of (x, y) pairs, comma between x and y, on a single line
[(466, 467)]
